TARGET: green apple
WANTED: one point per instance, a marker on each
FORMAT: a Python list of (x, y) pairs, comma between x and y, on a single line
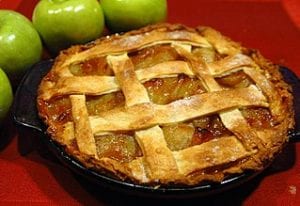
[(6, 96), (124, 15), (20, 44), (62, 23)]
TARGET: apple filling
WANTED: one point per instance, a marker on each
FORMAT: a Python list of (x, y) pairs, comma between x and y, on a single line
[(93, 66), (121, 147), (235, 80), (153, 55)]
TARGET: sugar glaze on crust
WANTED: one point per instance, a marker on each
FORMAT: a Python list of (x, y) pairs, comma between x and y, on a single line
[(203, 55)]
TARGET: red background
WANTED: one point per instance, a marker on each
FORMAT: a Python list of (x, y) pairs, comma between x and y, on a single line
[(29, 174)]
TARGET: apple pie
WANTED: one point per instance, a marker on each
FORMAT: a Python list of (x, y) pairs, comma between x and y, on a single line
[(167, 104)]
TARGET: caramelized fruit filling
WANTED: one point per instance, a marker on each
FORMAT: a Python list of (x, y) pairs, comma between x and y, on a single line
[(94, 66), (121, 147), (166, 90), (97, 104), (195, 132), (205, 54), (260, 118), (153, 55), (235, 80), (178, 136), (59, 109), (207, 128)]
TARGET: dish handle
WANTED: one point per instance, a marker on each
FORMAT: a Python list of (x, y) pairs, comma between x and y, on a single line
[(292, 79), (24, 110)]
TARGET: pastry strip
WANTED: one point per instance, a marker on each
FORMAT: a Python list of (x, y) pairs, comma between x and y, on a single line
[(213, 153), (222, 44), (133, 90), (264, 84), (146, 115), (83, 132), (229, 65), (138, 41), (160, 163)]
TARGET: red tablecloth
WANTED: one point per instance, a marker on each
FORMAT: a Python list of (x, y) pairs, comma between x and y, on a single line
[(270, 26)]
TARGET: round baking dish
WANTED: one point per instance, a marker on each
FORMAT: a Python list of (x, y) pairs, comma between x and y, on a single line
[(27, 117)]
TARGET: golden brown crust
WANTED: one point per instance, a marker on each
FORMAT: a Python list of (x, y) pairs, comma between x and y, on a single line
[(246, 147)]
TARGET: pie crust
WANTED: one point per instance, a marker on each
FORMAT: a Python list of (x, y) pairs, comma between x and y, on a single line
[(167, 104)]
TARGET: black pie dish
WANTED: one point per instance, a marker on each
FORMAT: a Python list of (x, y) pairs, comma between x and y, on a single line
[(25, 116)]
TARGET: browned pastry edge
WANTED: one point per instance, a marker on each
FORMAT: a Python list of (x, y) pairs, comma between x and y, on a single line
[(256, 162)]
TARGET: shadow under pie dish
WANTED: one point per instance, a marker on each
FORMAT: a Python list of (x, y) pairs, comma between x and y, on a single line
[(167, 104)]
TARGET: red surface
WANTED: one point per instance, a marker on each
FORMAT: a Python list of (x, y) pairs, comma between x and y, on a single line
[(270, 26)]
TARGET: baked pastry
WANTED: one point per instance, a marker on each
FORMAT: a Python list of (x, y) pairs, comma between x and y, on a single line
[(167, 104)]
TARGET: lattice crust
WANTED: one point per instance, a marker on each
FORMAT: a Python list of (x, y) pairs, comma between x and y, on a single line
[(244, 145)]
